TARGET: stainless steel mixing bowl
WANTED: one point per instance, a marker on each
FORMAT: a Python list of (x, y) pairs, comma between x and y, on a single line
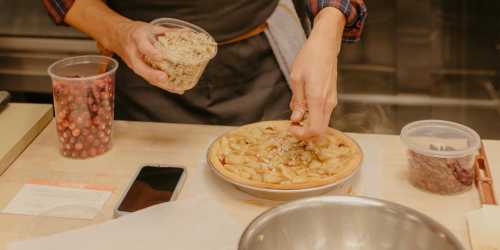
[(345, 222)]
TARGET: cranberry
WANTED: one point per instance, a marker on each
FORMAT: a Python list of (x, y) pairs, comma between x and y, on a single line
[(105, 139), (79, 121), (105, 103), (92, 151), (84, 154), (101, 149), (73, 106), (85, 132), (101, 134), (76, 132), (104, 96), (79, 100), (65, 134), (101, 83), (78, 146), (90, 138), (65, 124)]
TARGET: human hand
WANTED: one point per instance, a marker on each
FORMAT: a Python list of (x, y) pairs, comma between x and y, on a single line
[(314, 87), (134, 42), (314, 76)]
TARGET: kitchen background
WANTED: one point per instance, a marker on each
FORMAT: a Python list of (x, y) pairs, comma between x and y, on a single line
[(418, 59)]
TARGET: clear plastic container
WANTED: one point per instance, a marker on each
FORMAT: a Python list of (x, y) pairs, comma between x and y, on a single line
[(441, 155), (183, 73), (84, 90)]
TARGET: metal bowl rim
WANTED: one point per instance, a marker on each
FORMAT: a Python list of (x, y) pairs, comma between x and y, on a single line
[(290, 191), (434, 225)]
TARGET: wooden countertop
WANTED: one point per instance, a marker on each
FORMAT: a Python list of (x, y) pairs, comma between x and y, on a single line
[(136, 143), (20, 123)]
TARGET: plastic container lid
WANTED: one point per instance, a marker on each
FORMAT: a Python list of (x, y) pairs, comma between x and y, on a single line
[(440, 138)]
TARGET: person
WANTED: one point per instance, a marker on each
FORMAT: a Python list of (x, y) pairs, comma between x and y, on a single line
[(243, 83)]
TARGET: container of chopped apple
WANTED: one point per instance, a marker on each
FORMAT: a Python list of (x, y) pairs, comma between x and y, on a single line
[(186, 50)]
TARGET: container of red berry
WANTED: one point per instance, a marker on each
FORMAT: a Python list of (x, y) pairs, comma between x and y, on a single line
[(84, 90), (441, 155)]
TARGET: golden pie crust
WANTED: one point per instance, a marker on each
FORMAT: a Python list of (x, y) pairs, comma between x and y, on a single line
[(266, 155)]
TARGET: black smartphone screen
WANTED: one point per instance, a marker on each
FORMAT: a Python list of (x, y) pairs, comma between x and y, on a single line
[(152, 186)]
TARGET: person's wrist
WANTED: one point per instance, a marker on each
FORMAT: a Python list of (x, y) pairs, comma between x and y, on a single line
[(328, 29), (331, 15), (117, 33)]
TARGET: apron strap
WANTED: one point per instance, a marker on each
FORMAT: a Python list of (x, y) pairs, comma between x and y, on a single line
[(286, 35)]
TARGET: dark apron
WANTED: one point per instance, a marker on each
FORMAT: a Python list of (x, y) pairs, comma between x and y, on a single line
[(242, 84)]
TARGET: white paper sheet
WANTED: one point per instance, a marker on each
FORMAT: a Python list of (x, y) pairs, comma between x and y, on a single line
[(197, 223), (35, 199), (484, 228)]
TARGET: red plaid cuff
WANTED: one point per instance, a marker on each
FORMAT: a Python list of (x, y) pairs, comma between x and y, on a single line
[(355, 12), (58, 9)]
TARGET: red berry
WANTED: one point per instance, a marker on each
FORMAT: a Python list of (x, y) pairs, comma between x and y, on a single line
[(65, 134), (75, 132), (101, 134), (105, 139), (90, 138), (85, 132), (78, 146), (84, 154)]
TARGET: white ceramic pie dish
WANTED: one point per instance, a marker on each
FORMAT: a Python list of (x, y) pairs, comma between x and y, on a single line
[(341, 187)]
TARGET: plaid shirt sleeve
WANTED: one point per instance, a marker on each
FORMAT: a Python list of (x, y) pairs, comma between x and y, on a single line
[(57, 9), (355, 12)]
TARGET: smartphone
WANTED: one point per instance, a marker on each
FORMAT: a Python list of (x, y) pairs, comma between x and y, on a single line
[(151, 185)]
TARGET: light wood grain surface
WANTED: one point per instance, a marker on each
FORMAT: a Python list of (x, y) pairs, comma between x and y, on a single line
[(136, 143), (20, 123)]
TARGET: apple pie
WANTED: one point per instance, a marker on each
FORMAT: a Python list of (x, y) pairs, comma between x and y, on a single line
[(266, 155)]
